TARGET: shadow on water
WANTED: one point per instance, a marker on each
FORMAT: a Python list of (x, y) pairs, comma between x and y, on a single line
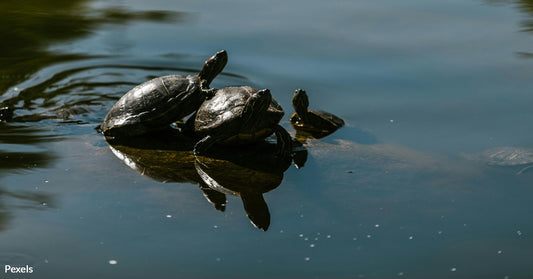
[(68, 93), (244, 171)]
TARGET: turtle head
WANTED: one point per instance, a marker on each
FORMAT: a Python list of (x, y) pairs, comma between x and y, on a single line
[(300, 103), (212, 67), (255, 106)]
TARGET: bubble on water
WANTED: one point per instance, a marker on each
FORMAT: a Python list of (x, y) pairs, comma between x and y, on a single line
[(46, 181), (281, 231), (301, 215), (113, 262), (215, 227), (45, 260), (328, 236), (519, 233), (453, 269), (368, 236), (376, 225), (311, 245), (411, 237), (400, 273), (391, 121), (355, 238), (44, 204), (316, 238), (500, 251), (306, 239), (218, 259), (168, 216), (439, 232), (301, 235), (307, 259)]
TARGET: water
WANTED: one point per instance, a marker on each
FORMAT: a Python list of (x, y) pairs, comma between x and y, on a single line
[(400, 191)]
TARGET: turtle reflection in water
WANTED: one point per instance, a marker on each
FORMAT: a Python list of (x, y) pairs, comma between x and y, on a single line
[(245, 172), (506, 156), (248, 172), (164, 156)]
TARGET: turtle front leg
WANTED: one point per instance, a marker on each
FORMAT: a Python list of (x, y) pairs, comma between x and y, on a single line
[(284, 145)]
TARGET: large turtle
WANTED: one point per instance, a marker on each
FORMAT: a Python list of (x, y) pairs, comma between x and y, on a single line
[(316, 124), (157, 103), (240, 114)]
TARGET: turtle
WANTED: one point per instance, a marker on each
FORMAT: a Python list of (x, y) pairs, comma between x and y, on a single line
[(240, 115), (157, 103), (317, 124)]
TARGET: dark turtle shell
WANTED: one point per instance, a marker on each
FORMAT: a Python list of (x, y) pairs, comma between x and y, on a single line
[(222, 114), (322, 121), (155, 103)]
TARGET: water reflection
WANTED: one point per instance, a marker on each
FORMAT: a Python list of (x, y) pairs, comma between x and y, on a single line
[(19, 158), (32, 26), (246, 172), (243, 171)]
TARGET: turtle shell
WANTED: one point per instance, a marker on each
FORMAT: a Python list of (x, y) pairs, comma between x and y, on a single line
[(321, 121), (153, 104), (222, 114)]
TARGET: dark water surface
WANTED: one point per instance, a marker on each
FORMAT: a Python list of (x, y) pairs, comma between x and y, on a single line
[(406, 189)]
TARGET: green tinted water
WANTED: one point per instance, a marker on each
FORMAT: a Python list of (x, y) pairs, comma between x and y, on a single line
[(399, 191)]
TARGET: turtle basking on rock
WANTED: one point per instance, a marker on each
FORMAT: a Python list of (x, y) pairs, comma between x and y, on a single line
[(318, 123), (157, 103), (239, 115)]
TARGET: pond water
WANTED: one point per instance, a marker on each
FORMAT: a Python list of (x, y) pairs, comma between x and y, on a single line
[(409, 187)]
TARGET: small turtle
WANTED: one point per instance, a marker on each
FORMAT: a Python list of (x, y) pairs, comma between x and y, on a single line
[(317, 123), (240, 114), (507, 156), (157, 103)]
